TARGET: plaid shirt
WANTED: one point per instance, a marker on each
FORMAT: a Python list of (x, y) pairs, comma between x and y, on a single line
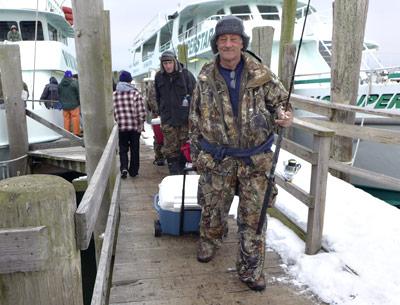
[(129, 110)]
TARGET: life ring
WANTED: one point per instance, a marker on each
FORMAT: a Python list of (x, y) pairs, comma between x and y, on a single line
[(66, 9)]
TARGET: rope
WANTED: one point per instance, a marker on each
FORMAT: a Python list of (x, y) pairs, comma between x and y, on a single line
[(2, 163)]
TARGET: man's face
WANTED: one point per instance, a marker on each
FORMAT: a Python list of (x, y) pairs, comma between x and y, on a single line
[(229, 46), (169, 66)]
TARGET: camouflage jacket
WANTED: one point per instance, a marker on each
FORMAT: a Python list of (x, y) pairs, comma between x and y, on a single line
[(211, 116), (150, 97)]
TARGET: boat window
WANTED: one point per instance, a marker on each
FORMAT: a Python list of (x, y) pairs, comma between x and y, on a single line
[(189, 25), (28, 30), (268, 12), (52, 32), (148, 47), (180, 31), (221, 12), (241, 11), (300, 13), (5, 27)]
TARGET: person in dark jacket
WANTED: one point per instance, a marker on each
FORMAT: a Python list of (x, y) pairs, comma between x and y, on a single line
[(174, 86), (68, 92), (50, 93)]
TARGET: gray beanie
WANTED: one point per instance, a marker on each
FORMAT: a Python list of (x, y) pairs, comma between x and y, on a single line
[(167, 55), (229, 25)]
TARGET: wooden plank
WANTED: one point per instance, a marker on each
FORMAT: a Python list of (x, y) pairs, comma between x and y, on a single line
[(313, 128), (299, 150), (389, 182), (23, 249), (88, 210), (384, 136), (54, 127), (276, 213), (319, 177), (101, 287), (61, 143), (294, 190), (325, 108)]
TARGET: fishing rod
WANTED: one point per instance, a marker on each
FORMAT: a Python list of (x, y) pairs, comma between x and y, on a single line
[(271, 176)]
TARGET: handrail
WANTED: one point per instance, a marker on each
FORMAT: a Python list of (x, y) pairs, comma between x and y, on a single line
[(88, 210), (101, 286)]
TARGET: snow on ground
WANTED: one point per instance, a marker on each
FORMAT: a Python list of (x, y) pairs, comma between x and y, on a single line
[(361, 233)]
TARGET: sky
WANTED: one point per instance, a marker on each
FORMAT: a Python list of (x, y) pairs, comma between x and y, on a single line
[(360, 232), (129, 17)]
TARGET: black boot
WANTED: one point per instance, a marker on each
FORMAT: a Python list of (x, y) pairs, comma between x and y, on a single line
[(174, 166)]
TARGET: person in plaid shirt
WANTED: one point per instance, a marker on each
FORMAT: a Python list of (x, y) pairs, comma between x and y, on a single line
[(130, 114)]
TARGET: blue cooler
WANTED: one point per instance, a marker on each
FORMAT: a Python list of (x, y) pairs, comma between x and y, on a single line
[(168, 204)]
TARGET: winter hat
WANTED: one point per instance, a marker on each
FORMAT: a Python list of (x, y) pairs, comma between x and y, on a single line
[(125, 76), (229, 25), (68, 74), (167, 55), (13, 27)]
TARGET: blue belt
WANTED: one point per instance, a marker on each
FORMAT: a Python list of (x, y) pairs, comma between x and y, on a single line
[(219, 152)]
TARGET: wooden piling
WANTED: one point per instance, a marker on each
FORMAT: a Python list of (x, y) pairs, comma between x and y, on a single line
[(10, 66), (262, 42), (349, 19), (39, 260), (92, 50), (287, 30)]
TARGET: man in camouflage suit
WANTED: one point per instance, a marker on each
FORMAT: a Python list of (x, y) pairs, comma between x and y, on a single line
[(237, 104), (151, 104)]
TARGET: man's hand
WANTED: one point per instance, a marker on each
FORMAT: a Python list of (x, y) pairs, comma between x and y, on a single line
[(285, 118)]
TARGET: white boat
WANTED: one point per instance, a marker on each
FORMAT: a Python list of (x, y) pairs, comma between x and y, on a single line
[(50, 54), (194, 25)]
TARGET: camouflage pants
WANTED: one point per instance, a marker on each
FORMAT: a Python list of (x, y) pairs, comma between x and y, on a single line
[(158, 155), (174, 138), (217, 185)]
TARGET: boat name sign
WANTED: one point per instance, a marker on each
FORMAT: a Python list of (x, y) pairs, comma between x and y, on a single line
[(376, 101), (199, 43)]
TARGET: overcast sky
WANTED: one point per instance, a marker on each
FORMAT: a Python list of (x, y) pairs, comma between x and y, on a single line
[(129, 17)]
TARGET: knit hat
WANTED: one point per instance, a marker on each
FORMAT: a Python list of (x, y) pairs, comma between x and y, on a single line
[(125, 76), (68, 74), (13, 27), (169, 55), (229, 25)]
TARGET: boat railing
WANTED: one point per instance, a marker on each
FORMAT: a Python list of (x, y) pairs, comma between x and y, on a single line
[(373, 134), (199, 26), (165, 46)]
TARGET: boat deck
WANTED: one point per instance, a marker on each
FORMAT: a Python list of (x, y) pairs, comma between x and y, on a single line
[(163, 270)]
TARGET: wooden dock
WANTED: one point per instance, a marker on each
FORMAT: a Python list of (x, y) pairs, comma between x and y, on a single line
[(164, 270)]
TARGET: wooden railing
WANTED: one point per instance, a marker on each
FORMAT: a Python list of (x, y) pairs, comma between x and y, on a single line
[(318, 156), (87, 213), (377, 135)]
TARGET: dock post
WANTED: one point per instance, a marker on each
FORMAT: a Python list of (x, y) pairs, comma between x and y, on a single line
[(39, 260), (10, 66), (349, 19), (261, 43), (95, 91), (287, 30)]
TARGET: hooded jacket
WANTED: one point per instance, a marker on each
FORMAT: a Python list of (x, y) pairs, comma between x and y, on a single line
[(68, 92), (171, 89), (211, 115), (50, 92)]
